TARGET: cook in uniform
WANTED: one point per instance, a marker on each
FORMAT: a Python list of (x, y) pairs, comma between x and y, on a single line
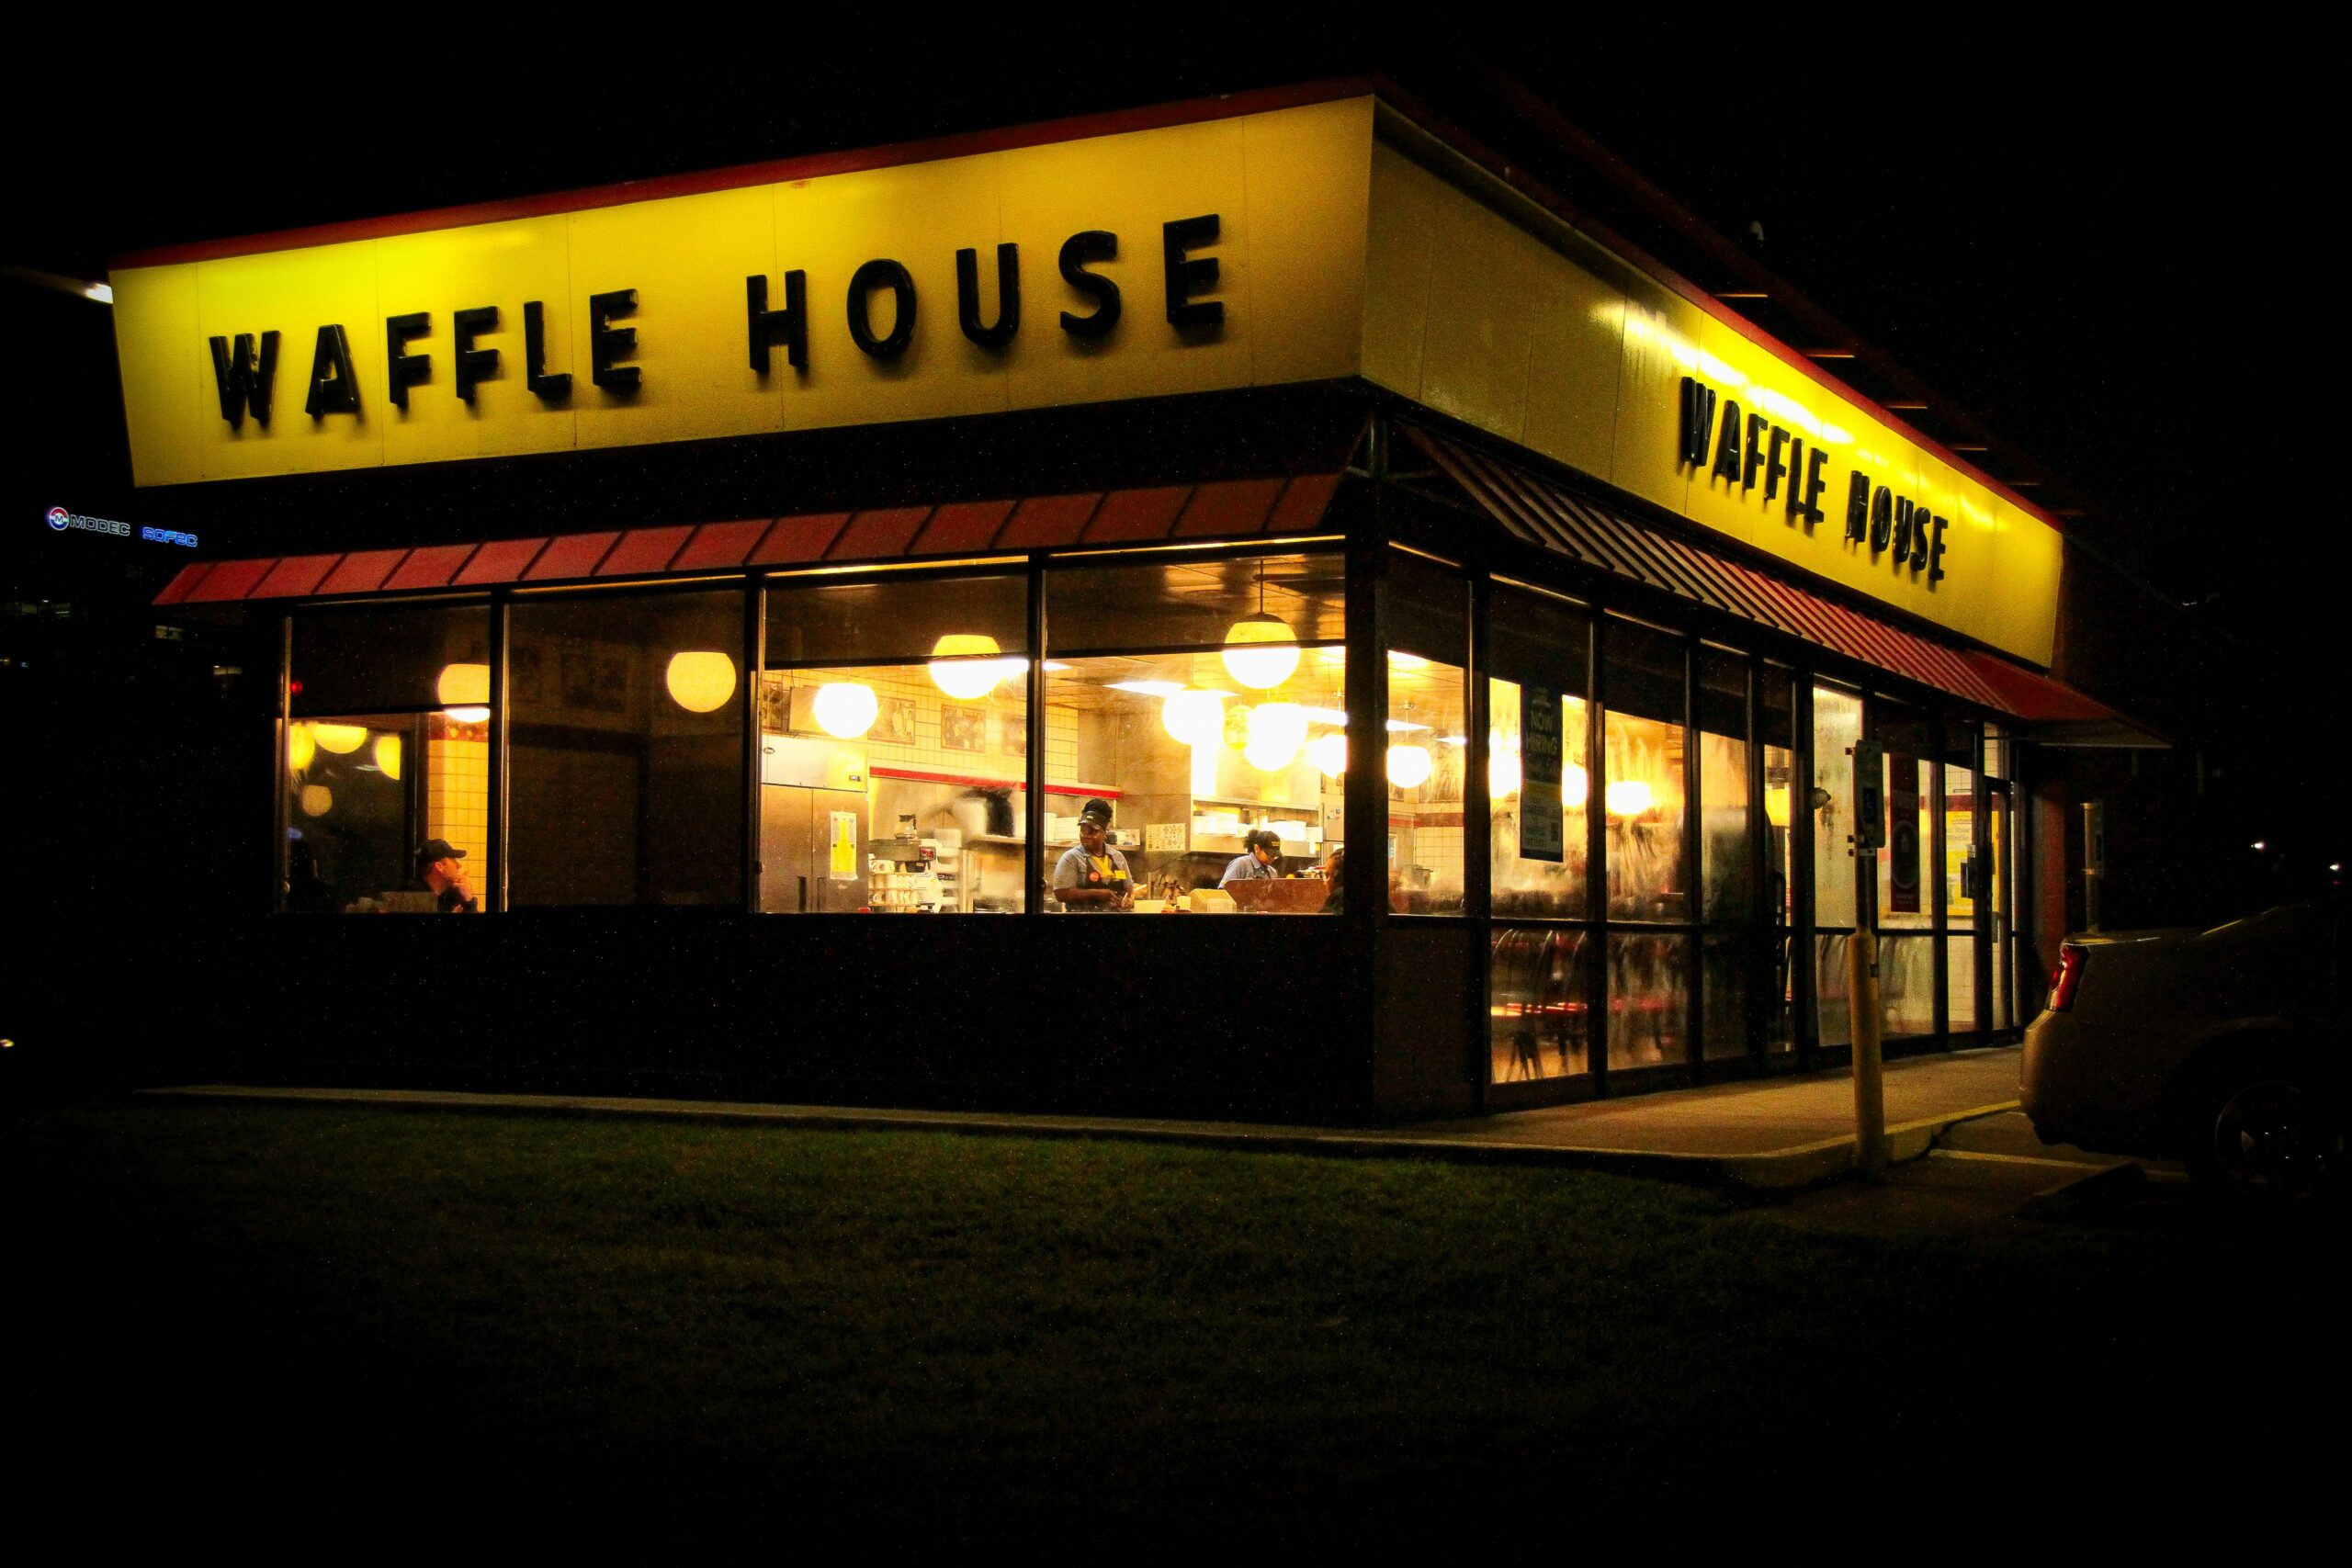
[(1256, 862), (1091, 876)]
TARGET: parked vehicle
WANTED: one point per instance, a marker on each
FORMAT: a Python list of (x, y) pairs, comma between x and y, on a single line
[(2227, 1049)]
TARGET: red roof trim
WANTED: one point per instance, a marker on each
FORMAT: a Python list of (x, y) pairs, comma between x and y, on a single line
[(362, 572), (720, 544), (294, 576), (1304, 501), (878, 533), (646, 549), (1127, 516), (793, 540), (811, 166), (230, 579), (185, 580), (962, 525), (1228, 506), (572, 555), (1043, 520), (430, 567), (500, 560)]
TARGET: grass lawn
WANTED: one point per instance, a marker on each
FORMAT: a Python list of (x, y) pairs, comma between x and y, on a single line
[(869, 1328)]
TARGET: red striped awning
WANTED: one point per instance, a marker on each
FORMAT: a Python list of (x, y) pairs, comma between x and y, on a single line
[(1221, 509), (1542, 514)]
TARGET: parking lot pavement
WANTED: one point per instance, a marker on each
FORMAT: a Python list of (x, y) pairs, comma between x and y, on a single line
[(1994, 1171)]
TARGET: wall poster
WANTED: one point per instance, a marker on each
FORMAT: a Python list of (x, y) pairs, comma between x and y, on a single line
[(1542, 815)]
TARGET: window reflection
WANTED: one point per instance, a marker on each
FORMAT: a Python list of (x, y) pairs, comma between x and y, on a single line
[(365, 792), (1539, 1008), (1643, 790)]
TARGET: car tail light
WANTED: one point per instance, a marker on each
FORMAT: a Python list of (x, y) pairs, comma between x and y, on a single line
[(2068, 975)]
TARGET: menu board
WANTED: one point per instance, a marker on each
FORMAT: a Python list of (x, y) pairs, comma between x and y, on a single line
[(1542, 816)]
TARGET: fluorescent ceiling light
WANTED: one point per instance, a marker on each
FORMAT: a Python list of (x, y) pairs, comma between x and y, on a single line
[(1147, 688), (1404, 726)]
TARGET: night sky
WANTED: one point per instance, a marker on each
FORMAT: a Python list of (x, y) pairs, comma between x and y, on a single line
[(2103, 263)]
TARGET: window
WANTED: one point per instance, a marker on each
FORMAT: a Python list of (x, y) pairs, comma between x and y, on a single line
[(1907, 962), (1836, 726), (1775, 693), (1644, 795), (626, 750), (1726, 875), (1960, 858), (1428, 733), (894, 746), (1202, 699), (387, 748), (1537, 646)]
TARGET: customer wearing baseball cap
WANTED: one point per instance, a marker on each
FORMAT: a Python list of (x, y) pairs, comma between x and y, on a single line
[(439, 863)]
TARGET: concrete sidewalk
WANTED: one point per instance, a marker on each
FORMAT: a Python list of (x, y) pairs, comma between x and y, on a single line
[(1772, 1132)]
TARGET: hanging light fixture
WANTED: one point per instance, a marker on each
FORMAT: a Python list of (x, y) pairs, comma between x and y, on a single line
[(342, 739), (701, 681), (464, 691), (1329, 752), (1575, 785), (1276, 732), (1261, 650), (300, 747), (388, 755), (1626, 798), (1408, 766), (846, 709), (963, 665), (317, 800), (1776, 805), (1502, 767), (1195, 719)]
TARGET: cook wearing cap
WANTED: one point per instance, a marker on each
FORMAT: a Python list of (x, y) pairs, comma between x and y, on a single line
[(1260, 850), (1091, 876), (439, 866)]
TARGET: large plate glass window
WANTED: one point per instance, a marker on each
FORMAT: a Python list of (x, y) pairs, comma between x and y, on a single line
[(1903, 885), (1537, 792), (1426, 751), (1730, 956), (1775, 694), (387, 748), (894, 745), (1836, 726), (1645, 794), (1201, 699), (625, 756)]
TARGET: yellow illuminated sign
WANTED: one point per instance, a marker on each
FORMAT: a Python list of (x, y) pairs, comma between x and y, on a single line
[(1198, 257), (1484, 308)]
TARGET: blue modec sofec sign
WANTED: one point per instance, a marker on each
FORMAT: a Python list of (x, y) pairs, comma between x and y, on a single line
[(60, 520)]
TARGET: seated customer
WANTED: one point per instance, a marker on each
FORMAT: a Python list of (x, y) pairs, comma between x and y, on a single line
[(437, 866), (1334, 902), (1091, 876), (1259, 851)]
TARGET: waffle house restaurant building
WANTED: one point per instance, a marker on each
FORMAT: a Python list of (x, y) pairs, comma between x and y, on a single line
[(756, 575)]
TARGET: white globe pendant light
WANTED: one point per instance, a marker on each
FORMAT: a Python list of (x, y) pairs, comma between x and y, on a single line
[(342, 739), (965, 666), (1503, 769), (1408, 766), (1260, 652), (388, 755), (1626, 798), (1195, 719), (1329, 752), (1575, 786), (701, 681), (1276, 732), (846, 709), (300, 747), (464, 691)]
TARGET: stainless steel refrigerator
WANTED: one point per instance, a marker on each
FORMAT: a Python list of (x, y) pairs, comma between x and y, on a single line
[(812, 826)]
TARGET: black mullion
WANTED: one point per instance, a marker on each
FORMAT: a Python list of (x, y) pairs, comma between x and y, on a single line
[(1596, 866), (495, 830), (281, 775), (1477, 831), (1033, 864), (1980, 835), (1804, 1035), (755, 641), (1693, 790), (1759, 833)]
